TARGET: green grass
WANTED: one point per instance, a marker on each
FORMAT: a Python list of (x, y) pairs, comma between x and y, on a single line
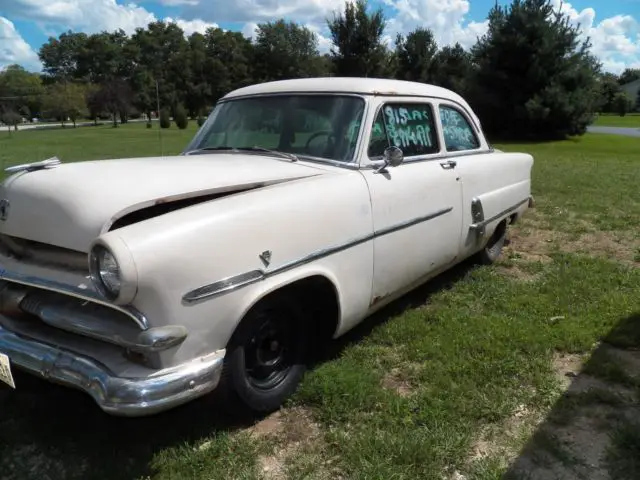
[(473, 346), (90, 143), (631, 120)]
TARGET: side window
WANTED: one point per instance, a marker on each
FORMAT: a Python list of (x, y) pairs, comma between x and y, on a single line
[(409, 126), (458, 134)]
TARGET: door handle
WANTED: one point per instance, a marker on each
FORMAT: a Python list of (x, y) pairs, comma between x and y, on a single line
[(449, 164)]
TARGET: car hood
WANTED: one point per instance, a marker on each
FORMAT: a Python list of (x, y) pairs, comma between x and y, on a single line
[(70, 205)]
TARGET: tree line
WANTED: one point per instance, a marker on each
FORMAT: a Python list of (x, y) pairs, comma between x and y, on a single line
[(529, 76)]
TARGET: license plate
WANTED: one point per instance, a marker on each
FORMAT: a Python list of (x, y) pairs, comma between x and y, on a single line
[(5, 371)]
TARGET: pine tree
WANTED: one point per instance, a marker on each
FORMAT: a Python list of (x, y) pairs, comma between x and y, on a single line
[(534, 78)]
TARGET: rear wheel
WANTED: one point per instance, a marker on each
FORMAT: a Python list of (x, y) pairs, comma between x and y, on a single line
[(265, 358), (492, 250)]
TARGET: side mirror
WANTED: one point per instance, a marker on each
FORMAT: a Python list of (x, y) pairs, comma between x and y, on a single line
[(393, 157)]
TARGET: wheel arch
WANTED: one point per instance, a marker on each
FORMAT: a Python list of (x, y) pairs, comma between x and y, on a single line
[(318, 289)]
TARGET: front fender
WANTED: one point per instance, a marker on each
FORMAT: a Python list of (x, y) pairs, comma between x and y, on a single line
[(206, 243)]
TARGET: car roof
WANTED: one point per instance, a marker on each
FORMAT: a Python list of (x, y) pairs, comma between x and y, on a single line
[(357, 85)]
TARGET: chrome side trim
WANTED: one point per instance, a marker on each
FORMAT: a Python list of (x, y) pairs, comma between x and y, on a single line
[(235, 282), (122, 396), (413, 222), (225, 285), (480, 225), (66, 289)]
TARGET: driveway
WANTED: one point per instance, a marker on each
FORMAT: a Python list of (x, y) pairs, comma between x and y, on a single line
[(630, 132)]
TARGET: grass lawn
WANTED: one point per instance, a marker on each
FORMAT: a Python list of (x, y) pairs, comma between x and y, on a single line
[(631, 120), (86, 143), (526, 369)]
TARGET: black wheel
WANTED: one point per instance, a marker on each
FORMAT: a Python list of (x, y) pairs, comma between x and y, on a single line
[(492, 250), (265, 358)]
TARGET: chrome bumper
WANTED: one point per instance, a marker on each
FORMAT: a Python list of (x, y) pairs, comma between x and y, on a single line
[(131, 397)]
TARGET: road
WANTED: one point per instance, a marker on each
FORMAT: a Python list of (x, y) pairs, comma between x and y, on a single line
[(629, 132)]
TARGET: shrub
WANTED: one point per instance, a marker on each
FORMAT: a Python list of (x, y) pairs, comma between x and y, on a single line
[(181, 118), (149, 124), (165, 120), (201, 120)]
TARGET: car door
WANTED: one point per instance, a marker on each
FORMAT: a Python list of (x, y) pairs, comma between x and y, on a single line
[(416, 205), (496, 181)]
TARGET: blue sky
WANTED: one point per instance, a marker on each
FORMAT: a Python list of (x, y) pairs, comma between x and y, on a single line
[(613, 25)]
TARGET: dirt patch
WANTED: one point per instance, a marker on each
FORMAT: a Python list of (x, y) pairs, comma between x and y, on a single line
[(293, 433), (622, 248), (516, 273), (567, 367), (531, 244), (397, 382), (534, 240)]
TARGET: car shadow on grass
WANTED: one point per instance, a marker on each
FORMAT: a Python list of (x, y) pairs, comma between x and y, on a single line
[(417, 297), (593, 430), (52, 432)]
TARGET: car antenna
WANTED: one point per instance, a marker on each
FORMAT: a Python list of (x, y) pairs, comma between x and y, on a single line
[(159, 122)]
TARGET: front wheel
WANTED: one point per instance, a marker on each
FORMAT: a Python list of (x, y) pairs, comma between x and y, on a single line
[(265, 359)]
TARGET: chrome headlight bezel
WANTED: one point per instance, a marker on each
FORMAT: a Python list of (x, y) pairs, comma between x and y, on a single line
[(98, 270)]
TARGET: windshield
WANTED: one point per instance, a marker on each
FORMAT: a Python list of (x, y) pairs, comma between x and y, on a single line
[(320, 126)]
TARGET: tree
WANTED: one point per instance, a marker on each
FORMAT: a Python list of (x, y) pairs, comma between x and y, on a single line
[(65, 100), (114, 97), (181, 119), (534, 77), (629, 75), (608, 89), (415, 55), (9, 117), (452, 69), (101, 57), (230, 56), (20, 91), (285, 50), (623, 103), (60, 56), (159, 53), (358, 49), (198, 92)]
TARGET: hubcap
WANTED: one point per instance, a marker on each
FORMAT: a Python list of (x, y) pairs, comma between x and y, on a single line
[(268, 353)]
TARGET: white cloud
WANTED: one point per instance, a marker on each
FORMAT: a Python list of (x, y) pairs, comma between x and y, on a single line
[(176, 3), (324, 41), (191, 26), (446, 18), (256, 11), (615, 40), (249, 29), (85, 15), (14, 49)]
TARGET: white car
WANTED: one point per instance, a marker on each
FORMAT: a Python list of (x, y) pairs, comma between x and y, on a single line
[(298, 209)]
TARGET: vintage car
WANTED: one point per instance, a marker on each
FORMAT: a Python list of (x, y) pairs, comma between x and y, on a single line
[(299, 208)]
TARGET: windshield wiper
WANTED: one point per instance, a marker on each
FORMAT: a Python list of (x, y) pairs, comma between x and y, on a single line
[(210, 149), (257, 148), (224, 148)]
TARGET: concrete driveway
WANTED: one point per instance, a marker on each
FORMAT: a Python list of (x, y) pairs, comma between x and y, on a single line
[(629, 132)]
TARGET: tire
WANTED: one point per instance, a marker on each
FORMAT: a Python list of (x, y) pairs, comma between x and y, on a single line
[(493, 249), (266, 356)]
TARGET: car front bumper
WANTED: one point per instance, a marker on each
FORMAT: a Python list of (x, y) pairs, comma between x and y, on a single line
[(121, 396)]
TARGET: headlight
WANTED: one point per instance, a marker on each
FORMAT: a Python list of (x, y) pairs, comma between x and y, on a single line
[(105, 272)]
